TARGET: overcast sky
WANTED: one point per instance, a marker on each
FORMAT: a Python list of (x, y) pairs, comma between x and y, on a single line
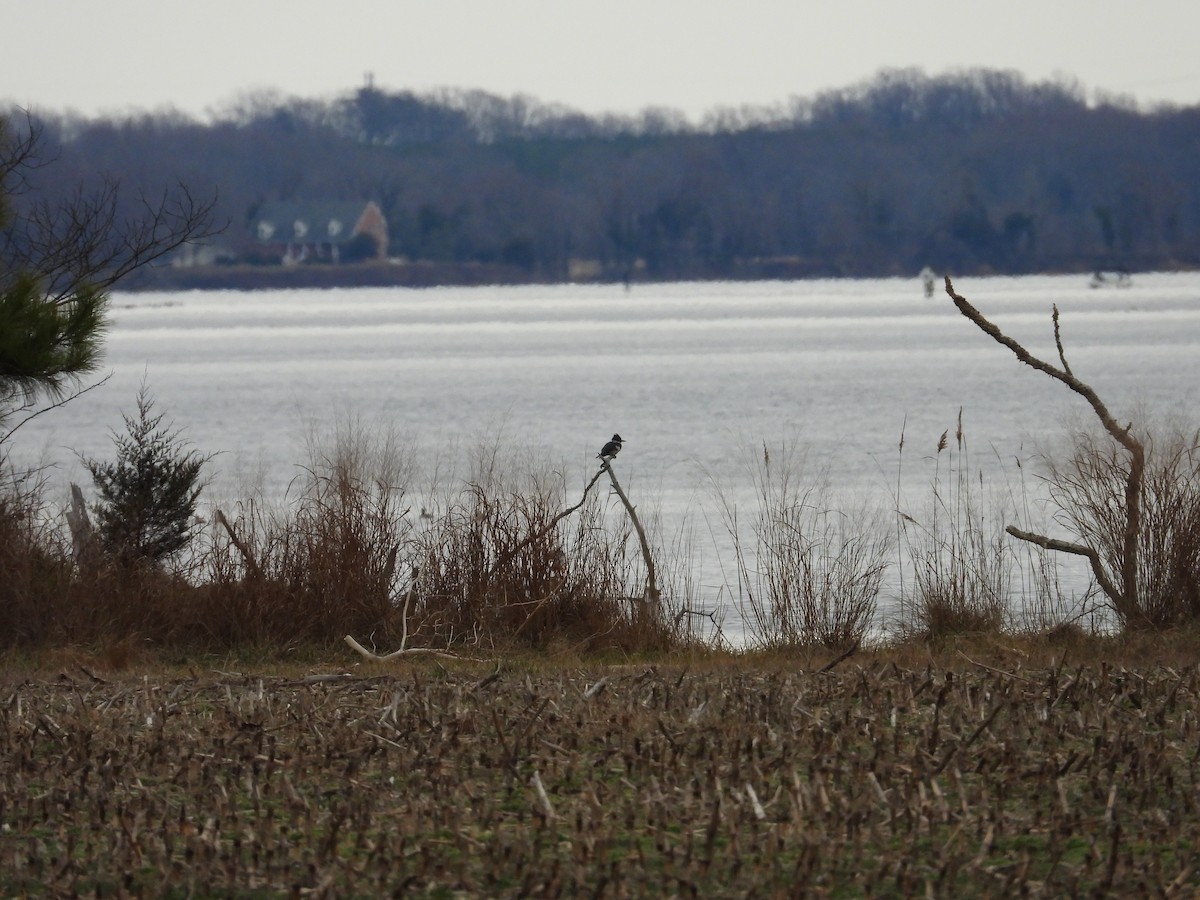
[(612, 56)]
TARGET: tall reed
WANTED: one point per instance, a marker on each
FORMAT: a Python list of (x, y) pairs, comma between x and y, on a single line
[(960, 559), (329, 560)]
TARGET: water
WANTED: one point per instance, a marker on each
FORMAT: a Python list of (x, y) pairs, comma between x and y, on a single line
[(695, 377)]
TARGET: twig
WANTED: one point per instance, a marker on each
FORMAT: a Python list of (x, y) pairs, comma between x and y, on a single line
[(1062, 355), (541, 532), (974, 736), (484, 682), (326, 678), (540, 790), (92, 675), (844, 656), (597, 688), (55, 405), (759, 812), (538, 606), (992, 668)]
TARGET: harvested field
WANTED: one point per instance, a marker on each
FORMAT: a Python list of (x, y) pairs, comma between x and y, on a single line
[(873, 780)]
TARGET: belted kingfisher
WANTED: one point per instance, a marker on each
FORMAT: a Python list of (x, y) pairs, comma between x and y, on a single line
[(611, 449)]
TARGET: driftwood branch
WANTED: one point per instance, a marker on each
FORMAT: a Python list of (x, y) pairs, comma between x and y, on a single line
[(404, 650), (651, 594), (1125, 597), (844, 655)]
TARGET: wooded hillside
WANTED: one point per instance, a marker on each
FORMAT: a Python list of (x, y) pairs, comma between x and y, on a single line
[(972, 173)]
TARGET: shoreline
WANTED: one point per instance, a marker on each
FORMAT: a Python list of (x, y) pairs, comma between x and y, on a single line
[(430, 275)]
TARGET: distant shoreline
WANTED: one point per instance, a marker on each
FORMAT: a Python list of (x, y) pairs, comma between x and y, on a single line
[(247, 277), (473, 274)]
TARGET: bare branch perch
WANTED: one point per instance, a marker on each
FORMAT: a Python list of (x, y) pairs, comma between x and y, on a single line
[(651, 594), (1048, 543)]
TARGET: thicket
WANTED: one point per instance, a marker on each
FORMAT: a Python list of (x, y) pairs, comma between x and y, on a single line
[(499, 561), (973, 172)]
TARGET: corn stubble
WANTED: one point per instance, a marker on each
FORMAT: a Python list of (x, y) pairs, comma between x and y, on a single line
[(879, 781)]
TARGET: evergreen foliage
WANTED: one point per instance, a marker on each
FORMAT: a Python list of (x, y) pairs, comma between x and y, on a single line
[(43, 344), (43, 341), (148, 495)]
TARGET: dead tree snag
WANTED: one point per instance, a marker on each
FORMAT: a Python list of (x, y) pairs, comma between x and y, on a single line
[(1123, 591)]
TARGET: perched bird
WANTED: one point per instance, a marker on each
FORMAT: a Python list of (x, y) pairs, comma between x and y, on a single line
[(611, 449)]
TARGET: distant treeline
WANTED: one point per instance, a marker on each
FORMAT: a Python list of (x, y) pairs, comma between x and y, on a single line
[(975, 172)]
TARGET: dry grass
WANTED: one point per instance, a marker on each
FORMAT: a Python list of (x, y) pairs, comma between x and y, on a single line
[(488, 565), (980, 773), (807, 574)]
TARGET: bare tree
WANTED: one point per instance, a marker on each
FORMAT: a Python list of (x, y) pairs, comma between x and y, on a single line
[(1123, 591), (58, 260), (96, 237)]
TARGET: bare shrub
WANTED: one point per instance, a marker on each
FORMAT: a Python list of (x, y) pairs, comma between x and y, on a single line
[(1111, 523), (35, 564), (504, 563), (490, 568), (326, 563), (1088, 487), (1042, 602), (810, 575), (47, 600)]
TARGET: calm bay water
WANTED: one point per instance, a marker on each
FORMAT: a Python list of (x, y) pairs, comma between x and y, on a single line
[(695, 377)]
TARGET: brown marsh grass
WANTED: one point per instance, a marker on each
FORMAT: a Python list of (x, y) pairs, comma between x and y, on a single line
[(969, 775), (807, 573), (490, 567), (480, 577), (480, 562)]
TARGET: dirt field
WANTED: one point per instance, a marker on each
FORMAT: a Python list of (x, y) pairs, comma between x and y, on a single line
[(468, 780)]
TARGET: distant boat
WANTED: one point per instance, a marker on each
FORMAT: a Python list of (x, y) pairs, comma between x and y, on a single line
[(1101, 278)]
